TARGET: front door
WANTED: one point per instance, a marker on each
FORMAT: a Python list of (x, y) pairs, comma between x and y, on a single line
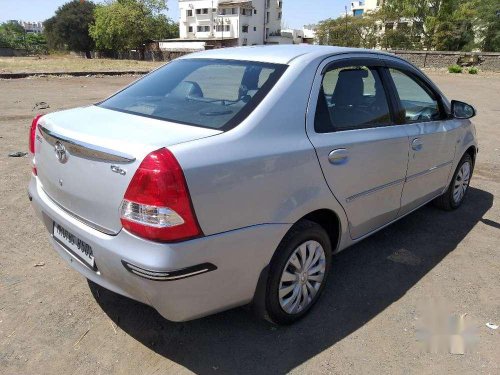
[(362, 154), (432, 136)]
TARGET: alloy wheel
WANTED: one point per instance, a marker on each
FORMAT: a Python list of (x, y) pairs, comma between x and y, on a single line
[(302, 277), (461, 182)]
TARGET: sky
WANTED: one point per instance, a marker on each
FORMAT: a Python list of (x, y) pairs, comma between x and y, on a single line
[(296, 13)]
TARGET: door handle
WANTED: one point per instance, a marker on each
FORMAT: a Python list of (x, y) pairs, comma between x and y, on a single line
[(417, 144), (339, 156)]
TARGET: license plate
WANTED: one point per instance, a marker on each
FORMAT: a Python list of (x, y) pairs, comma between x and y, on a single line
[(78, 247)]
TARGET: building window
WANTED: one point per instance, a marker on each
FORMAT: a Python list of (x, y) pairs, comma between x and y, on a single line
[(214, 10), (358, 12), (244, 29), (190, 29), (225, 28), (198, 11), (268, 4), (207, 29), (255, 11), (280, 4), (267, 17), (254, 28), (204, 11), (189, 13), (279, 15), (234, 10)]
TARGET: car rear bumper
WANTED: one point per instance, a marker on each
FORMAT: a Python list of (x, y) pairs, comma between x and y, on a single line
[(182, 281)]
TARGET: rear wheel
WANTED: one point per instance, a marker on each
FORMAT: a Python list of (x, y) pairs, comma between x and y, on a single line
[(459, 185), (298, 272)]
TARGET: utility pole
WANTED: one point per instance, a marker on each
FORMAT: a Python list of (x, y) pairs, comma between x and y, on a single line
[(212, 19), (347, 44)]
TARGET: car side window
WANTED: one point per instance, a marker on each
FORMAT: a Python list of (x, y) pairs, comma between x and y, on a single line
[(418, 102), (351, 98)]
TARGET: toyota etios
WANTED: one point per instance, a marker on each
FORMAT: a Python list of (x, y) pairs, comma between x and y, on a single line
[(231, 176)]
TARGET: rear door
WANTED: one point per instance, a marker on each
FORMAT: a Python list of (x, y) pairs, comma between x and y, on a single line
[(432, 137), (362, 154)]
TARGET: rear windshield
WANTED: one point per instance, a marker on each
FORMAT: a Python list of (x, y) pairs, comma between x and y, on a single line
[(216, 94)]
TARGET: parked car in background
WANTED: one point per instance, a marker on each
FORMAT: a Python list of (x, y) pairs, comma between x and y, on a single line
[(231, 176)]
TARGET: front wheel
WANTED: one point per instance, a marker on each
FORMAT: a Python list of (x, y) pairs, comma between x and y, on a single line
[(459, 185), (298, 272)]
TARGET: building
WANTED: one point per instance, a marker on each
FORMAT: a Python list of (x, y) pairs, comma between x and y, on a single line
[(294, 36), (359, 8), (30, 27), (224, 23)]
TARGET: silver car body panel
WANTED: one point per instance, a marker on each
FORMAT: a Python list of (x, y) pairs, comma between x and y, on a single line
[(248, 185)]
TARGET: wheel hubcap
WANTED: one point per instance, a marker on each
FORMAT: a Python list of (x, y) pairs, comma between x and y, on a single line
[(461, 182), (302, 277)]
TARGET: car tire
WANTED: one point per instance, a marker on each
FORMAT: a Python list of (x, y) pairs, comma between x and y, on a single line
[(298, 272), (458, 187)]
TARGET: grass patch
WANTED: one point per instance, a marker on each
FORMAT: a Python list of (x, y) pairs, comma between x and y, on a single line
[(473, 70), (69, 63), (455, 69)]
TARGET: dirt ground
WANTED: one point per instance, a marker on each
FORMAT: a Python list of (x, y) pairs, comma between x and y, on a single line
[(53, 322)]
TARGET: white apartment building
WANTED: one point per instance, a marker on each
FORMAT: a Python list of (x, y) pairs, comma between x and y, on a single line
[(30, 27), (359, 8), (220, 23)]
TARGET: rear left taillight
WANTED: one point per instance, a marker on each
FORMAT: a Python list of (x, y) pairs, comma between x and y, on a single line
[(157, 205), (34, 124)]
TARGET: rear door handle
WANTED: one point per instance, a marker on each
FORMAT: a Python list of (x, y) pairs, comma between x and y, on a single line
[(339, 156), (417, 144)]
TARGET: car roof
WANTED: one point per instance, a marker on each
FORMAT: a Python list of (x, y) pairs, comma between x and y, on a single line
[(276, 54)]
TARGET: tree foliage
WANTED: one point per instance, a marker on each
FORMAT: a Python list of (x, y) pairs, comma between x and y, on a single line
[(13, 35), (452, 25), (69, 27), (123, 25)]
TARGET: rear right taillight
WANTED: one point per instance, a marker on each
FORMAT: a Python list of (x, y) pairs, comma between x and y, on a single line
[(34, 124), (157, 205)]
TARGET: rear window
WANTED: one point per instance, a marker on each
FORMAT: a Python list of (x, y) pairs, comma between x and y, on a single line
[(215, 94)]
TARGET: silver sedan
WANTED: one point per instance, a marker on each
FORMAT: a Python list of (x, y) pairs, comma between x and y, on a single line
[(231, 176)]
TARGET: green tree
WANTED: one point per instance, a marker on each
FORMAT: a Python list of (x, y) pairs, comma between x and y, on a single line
[(13, 35), (69, 27), (348, 31), (486, 19), (122, 25)]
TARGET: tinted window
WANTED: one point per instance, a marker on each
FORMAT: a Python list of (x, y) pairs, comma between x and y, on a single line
[(418, 102), (351, 98), (210, 93)]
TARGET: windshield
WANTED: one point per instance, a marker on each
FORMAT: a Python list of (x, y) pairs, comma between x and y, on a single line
[(216, 94)]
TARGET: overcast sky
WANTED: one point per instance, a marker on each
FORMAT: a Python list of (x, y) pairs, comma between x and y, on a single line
[(296, 13)]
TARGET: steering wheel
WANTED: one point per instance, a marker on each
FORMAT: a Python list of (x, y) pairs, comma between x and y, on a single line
[(425, 114)]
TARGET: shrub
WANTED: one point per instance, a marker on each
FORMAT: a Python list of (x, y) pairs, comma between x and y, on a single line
[(455, 69), (473, 70)]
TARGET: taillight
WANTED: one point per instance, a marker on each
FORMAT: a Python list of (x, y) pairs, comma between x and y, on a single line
[(34, 124), (157, 205)]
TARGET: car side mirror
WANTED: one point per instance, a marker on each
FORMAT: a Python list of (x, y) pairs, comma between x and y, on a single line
[(462, 110)]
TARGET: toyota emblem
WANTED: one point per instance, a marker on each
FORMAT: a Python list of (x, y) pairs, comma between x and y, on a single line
[(61, 154)]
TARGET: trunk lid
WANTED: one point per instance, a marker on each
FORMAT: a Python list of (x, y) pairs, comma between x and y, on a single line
[(86, 157)]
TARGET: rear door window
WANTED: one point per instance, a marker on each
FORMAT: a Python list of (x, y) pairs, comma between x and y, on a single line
[(351, 98), (216, 94)]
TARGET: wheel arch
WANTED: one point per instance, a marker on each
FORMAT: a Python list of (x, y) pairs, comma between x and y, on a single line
[(472, 151), (330, 222)]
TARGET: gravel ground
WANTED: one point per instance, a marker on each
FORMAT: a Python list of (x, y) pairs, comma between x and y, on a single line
[(53, 322)]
